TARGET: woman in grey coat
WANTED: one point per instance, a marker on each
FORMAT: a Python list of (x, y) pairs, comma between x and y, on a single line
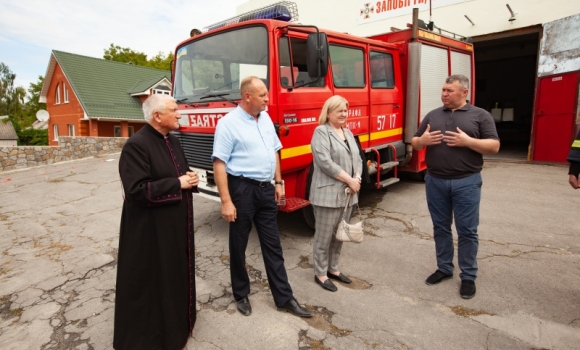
[(337, 166)]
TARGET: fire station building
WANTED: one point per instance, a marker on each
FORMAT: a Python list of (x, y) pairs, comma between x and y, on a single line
[(527, 58)]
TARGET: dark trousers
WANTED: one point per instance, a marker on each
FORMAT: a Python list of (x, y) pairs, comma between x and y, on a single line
[(257, 205)]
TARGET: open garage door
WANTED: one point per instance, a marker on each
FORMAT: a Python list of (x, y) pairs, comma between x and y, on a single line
[(506, 69)]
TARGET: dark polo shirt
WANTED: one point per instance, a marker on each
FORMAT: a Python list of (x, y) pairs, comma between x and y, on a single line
[(456, 162)]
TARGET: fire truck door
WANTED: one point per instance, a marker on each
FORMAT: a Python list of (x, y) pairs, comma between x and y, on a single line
[(349, 81), (298, 107), (386, 118)]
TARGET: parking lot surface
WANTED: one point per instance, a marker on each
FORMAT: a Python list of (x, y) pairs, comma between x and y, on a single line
[(59, 228)]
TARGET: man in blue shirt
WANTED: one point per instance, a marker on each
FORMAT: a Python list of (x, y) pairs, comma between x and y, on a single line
[(245, 161)]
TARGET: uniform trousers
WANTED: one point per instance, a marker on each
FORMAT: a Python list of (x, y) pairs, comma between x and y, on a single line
[(326, 248), (257, 205)]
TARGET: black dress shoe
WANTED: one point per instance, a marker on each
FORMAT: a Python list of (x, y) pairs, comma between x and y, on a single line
[(328, 285), (340, 277), (244, 306), (437, 277), (295, 309), (467, 289)]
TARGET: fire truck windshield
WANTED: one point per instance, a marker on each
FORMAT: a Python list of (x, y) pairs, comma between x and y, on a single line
[(213, 67)]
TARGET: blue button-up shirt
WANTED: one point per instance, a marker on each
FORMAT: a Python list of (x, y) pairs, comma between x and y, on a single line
[(247, 147)]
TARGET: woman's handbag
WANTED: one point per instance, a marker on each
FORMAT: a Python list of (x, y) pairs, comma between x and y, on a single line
[(349, 232)]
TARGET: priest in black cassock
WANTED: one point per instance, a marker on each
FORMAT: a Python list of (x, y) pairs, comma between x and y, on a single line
[(155, 295)]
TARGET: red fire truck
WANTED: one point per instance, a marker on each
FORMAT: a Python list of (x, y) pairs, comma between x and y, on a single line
[(391, 81)]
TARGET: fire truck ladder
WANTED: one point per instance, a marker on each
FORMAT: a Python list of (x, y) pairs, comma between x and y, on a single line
[(381, 167)]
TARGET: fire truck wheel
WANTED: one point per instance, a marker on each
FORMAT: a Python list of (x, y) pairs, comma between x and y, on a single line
[(308, 214), (420, 176)]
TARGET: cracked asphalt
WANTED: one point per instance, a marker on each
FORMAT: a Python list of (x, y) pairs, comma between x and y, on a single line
[(59, 227)]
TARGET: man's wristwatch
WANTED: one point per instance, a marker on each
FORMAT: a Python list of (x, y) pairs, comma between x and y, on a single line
[(279, 182)]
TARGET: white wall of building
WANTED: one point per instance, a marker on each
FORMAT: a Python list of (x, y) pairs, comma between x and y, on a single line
[(8, 143), (560, 46), (489, 16)]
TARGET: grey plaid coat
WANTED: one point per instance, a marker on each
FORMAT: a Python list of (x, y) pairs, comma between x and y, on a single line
[(331, 155)]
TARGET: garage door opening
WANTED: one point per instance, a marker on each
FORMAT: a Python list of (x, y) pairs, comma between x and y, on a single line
[(506, 70)]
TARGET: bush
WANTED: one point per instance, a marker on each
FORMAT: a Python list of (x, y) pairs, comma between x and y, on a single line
[(33, 137)]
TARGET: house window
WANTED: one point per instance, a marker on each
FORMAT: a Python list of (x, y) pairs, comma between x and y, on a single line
[(65, 92), (131, 131), (71, 130), (57, 97), (55, 132), (161, 92)]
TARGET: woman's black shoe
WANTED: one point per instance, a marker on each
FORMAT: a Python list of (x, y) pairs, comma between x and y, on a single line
[(340, 277), (328, 285)]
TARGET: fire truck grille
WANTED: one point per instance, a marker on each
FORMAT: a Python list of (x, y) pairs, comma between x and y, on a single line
[(198, 149)]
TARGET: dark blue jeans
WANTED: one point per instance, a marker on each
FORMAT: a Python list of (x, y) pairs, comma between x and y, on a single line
[(457, 199)]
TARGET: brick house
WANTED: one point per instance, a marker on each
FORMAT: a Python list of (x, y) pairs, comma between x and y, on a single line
[(87, 96)]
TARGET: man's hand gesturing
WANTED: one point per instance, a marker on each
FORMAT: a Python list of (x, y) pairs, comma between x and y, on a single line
[(456, 139), (431, 138)]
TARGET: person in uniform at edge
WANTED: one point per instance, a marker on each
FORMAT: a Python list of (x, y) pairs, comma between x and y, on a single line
[(337, 166), (245, 161), (155, 293), (456, 136), (574, 159)]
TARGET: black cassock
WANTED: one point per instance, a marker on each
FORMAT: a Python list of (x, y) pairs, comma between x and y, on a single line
[(155, 294)]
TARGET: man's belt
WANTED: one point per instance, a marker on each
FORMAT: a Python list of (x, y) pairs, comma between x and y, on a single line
[(252, 181)]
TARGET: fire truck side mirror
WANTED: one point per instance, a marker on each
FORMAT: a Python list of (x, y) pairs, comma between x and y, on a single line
[(317, 55)]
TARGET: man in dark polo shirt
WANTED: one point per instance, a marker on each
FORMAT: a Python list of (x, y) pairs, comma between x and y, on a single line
[(456, 136)]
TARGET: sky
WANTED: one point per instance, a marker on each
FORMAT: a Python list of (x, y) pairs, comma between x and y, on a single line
[(31, 29)]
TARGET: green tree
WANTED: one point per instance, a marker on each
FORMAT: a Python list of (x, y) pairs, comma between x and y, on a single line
[(127, 55), (34, 105), (11, 97), (20, 112), (27, 135), (160, 61)]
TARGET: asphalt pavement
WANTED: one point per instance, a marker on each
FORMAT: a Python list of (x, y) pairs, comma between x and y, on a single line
[(59, 229)]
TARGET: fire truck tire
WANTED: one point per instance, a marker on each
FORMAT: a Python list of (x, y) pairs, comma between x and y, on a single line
[(420, 176), (308, 214)]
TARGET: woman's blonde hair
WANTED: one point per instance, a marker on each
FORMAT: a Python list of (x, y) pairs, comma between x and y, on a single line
[(330, 105)]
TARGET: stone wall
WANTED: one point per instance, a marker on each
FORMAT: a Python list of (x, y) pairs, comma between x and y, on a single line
[(69, 148)]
